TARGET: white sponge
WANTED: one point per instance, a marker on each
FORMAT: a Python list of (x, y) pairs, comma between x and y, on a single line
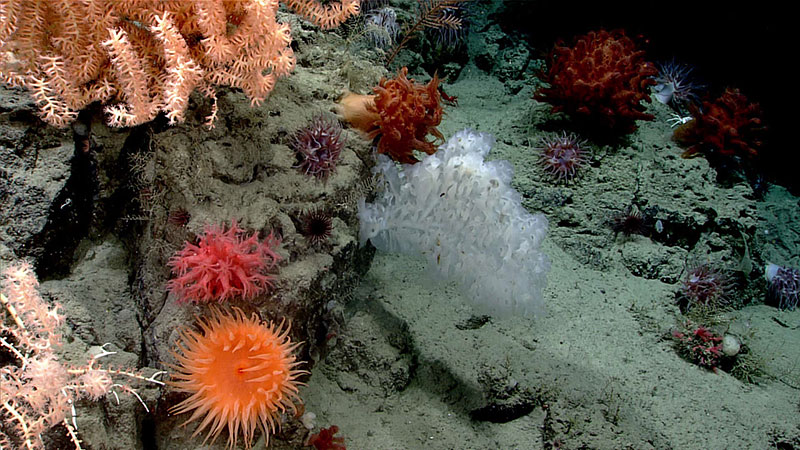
[(462, 214)]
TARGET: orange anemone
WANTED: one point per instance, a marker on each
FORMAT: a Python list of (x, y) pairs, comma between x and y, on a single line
[(240, 373)]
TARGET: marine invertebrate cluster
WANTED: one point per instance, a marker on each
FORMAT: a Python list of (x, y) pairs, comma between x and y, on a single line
[(240, 373), (380, 26), (224, 264), (730, 126), (705, 286), (602, 79), (446, 17), (783, 286), (318, 146), (699, 345), (144, 58), (562, 156), (401, 114)]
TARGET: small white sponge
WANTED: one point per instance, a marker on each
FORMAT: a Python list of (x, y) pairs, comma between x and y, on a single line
[(462, 214)]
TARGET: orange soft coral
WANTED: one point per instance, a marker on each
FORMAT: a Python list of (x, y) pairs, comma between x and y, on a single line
[(730, 126), (401, 113), (240, 373), (602, 78)]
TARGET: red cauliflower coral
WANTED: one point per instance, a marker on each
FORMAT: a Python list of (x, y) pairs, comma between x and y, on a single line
[(224, 264), (730, 126), (602, 79)]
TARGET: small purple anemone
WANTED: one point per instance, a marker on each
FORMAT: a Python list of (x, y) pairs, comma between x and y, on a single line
[(562, 156), (674, 85), (706, 286), (784, 286), (318, 146)]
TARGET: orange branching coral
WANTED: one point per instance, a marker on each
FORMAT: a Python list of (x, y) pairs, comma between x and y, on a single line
[(240, 374), (402, 113), (602, 78), (730, 126), (145, 57)]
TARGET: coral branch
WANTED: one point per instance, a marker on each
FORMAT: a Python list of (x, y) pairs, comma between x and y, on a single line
[(39, 392), (147, 57)]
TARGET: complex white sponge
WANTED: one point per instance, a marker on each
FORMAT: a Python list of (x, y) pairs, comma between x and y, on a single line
[(462, 214)]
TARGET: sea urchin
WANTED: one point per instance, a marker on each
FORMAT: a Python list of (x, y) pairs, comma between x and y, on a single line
[(316, 225), (629, 222), (240, 374), (562, 156), (318, 146)]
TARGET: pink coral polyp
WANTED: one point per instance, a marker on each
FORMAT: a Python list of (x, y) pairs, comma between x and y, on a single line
[(224, 264)]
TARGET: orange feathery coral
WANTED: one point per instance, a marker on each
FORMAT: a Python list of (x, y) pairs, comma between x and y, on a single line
[(240, 373), (403, 113)]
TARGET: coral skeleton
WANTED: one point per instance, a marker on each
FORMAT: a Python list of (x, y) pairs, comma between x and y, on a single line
[(462, 214)]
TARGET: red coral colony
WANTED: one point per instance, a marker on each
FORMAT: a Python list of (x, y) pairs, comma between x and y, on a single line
[(699, 345), (401, 113), (729, 126), (602, 79), (326, 439), (224, 264)]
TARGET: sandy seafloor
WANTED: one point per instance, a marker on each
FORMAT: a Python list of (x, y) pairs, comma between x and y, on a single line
[(407, 373)]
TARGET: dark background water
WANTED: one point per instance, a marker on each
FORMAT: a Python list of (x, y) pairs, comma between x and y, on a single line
[(742, 45)]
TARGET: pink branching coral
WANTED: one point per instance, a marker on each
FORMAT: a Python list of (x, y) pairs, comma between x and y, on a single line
[(147, 57), (729, 126), (224, 264), (38, 391), (603, 78)]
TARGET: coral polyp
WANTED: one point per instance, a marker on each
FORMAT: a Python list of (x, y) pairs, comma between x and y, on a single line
[(674, 86), (784, 286), (562, 156), (318, 146), (705, 286)]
